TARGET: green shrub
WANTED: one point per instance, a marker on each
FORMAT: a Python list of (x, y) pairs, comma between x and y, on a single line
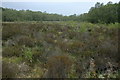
[(28, 55)]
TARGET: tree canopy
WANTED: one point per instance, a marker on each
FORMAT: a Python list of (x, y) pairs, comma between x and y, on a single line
[(100, 13)]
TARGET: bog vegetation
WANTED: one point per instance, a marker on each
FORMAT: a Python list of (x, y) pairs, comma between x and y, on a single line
[(56, 46)]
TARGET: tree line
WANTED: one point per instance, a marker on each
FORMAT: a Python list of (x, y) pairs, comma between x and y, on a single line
[(100, 13)]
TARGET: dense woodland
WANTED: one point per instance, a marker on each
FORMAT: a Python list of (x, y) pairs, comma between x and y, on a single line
[(100, 13)]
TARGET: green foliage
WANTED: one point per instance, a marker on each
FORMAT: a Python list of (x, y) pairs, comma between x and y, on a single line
[(28, 15), (28, 55), (13, 59), (101, 13)]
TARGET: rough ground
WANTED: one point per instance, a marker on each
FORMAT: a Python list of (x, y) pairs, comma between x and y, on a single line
[(60, 50)]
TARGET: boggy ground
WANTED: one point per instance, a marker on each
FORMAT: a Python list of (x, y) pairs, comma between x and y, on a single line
[(60, 50)]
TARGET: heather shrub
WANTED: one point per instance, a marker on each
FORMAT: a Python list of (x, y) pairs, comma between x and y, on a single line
[(12, 51), (45, 49), (38, 54), (36, 72), (58, 67), (9, 31), (27, 41), (9, 70), (82, 65)]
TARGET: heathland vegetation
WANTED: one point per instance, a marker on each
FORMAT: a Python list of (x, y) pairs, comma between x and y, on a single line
[(43, 45)]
